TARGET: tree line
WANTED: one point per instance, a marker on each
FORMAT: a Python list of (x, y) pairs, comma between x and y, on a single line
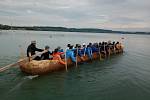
[(64, 29)]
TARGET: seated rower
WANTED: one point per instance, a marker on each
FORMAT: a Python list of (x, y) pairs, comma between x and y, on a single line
[(83, 49), (99, 46), (78, 47), (95, 47), (70, 53), (56, 56), (60, 51), (109, 46), (46, 55), (113, 47), (31, 51), (87, 50), (119, 47), (103, 48), (99, 49), (68, 45)]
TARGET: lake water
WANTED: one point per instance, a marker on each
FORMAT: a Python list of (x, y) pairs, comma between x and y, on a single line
[(120, 77)]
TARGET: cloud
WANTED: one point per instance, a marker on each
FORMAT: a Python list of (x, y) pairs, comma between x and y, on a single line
[(108, 14)]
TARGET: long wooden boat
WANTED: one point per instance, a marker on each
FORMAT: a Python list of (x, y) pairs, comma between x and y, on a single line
[(46, 66)]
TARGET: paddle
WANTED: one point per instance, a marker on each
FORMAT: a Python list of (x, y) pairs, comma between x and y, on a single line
[(16, 63), (66, 60), (100, 57), (109, 51), (114, 51), (77, 58), (22, 55), (84, 51), (91, 53), (105, 50)]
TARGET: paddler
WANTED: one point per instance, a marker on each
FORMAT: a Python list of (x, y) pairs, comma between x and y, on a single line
[(47, 55), (32, 49), (56, 56)]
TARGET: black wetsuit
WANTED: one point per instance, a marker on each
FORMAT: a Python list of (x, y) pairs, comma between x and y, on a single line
[(45, 56), (32, 48)]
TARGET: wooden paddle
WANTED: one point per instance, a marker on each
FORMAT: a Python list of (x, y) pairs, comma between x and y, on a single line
[(100, 56), (22, 55), (77, 58), (84, 51), (109, 51), (16, 63), (66, 60), (105, 50)]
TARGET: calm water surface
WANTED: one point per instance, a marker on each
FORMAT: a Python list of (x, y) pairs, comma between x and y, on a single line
[(121, 77)]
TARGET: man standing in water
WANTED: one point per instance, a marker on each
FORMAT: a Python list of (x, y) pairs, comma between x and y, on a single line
[(31, 51)]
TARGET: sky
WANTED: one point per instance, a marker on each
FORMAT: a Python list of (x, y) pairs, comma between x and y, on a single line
[(129, 15)]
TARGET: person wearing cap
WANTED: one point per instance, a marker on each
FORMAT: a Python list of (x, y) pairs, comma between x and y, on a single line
[(31, 50), (68, 45), (87, 50), (46, 55), (83, 49)]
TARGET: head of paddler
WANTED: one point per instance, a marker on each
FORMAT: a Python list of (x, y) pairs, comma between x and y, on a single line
[(33, 43), (58, 47), (117, 42), (95, 45), (113, 42), (99, 44), (90, 44), (77, 45), (68, 45), (56, 50), (47, 47), (84, 45), (71, 47), (103, 43)]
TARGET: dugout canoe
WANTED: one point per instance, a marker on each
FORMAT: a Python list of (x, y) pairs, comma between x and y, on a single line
[(46, 66)]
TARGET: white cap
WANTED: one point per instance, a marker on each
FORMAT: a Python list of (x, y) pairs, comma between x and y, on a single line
[(83, 44), (33, 41)]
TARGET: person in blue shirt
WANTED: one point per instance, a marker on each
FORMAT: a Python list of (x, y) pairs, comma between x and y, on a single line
[(78, 47), (83, 50), (95, 47), (70, 53), (89, 51), (80, 54)]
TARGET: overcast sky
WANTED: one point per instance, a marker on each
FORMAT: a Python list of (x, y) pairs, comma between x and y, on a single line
[(108, 14)]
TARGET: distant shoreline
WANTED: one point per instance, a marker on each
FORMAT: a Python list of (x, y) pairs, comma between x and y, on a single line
[(64, 29)]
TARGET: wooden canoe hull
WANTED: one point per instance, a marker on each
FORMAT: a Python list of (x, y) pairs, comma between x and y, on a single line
[(46, 66)]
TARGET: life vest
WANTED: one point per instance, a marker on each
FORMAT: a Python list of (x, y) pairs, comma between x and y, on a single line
[(56, 56)]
